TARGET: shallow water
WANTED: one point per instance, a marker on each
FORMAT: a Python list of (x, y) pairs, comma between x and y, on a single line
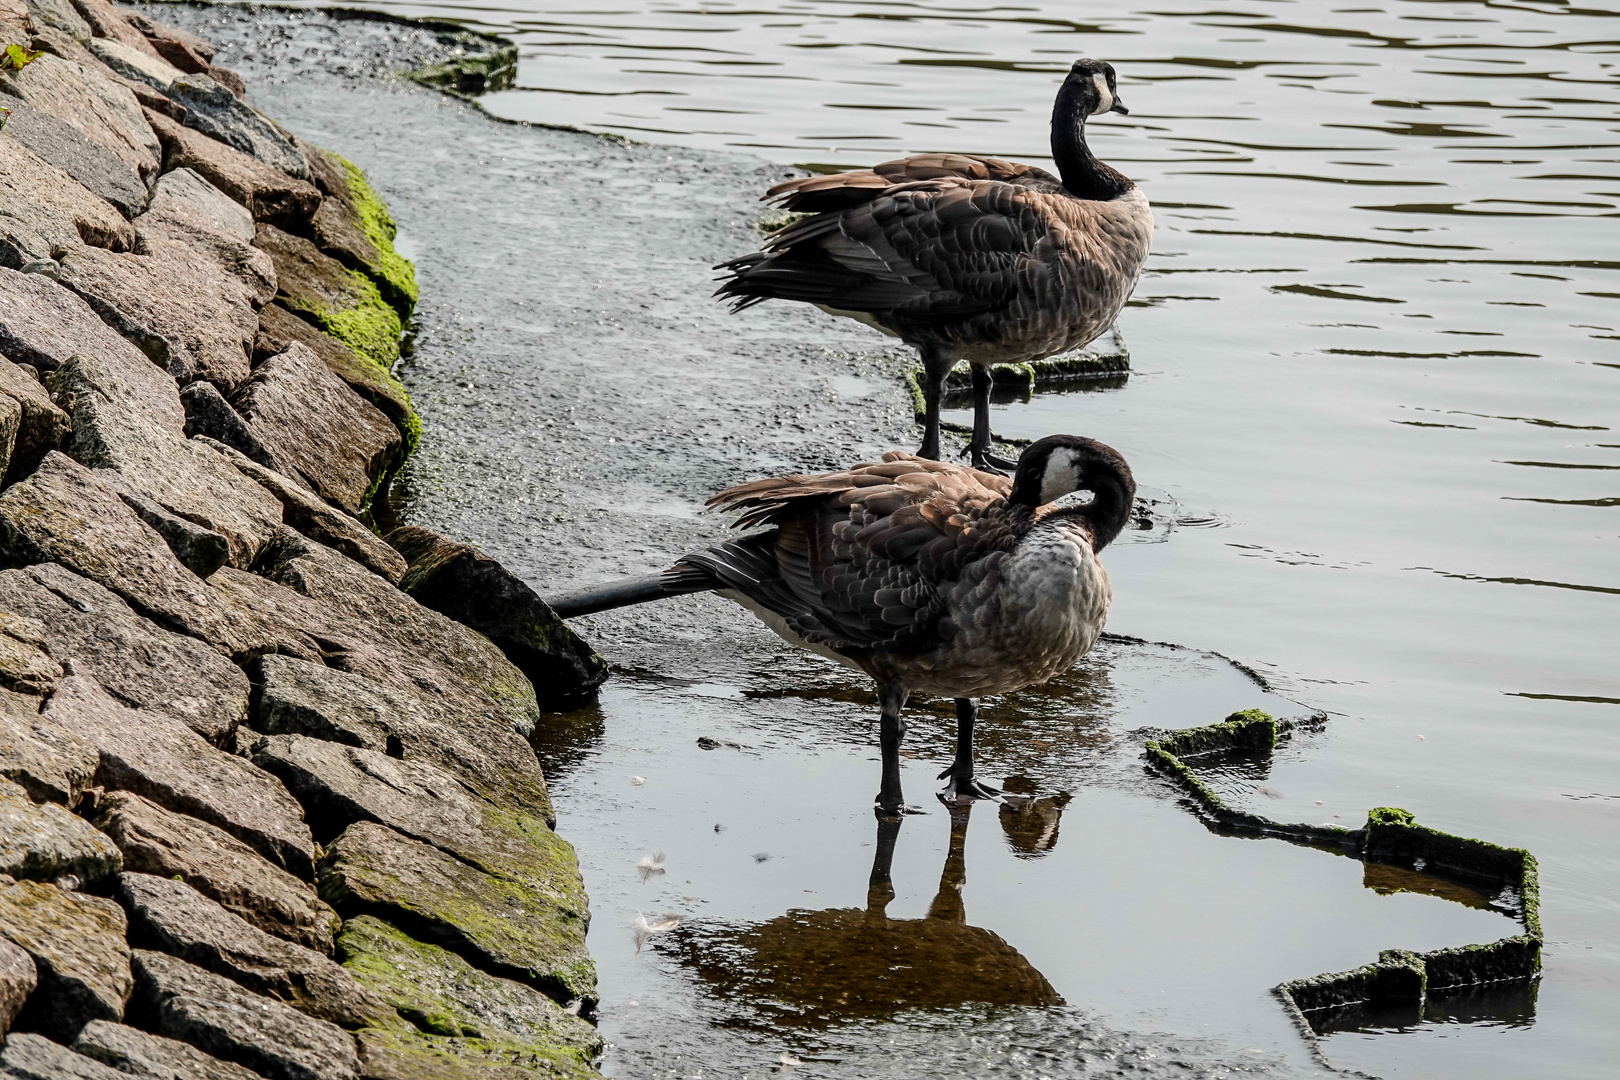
[(1375, 396)]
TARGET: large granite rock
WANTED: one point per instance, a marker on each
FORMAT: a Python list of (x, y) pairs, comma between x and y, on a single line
[(134, 659), (137, 65), (26, 665), (301, 509), (462, 582), (18, 977), (443, 995), (296, 697), (44, 842), (175, 918), (200, 550), (354, 227), (44, 213), (128, 417), (219, 866), (49, 762), (104, 109), (183, 49), (33, 1057), (77, 945), (43, 324), (188, 210), (89, 162), (267, 192), (41, 426), (340, 444), (108, 21), (211, 417), (60, 15), (138, 1053), (341, 301), (516, 930), (216, 112), (165, 761), (219, 1017), (10, 423), (373, 381)]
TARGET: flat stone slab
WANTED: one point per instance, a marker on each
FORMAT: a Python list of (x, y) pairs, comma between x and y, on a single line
[(41, 426), (463, 583), (297, 697), (163, 760), (341, 301), (339, 442), (104, 109), (44, 842), (509, 928), (128, 417), (60, 15), (34, 1057), (373, 381), (140, 1053), (224, 216), (219, 866), (45, 213), (133, 658), (77, 945), (42, 323), (268, 193), (173, 917), (92, 164), (142, 65), (46, 760), (220, 1018), (18, 977)]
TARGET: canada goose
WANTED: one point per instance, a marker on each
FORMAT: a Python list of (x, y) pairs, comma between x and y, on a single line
[(966, 257), (929, 577)]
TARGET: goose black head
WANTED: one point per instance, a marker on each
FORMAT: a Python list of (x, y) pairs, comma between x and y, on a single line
[(1060, 465), (1094, 81)]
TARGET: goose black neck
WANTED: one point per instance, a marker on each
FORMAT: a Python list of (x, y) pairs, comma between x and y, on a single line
[(1083, 175), (1113, 496)]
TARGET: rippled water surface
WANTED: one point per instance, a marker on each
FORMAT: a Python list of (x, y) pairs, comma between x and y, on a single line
[(1375, 391)]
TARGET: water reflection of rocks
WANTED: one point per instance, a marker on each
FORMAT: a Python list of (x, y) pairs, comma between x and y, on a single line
[(819, 968)]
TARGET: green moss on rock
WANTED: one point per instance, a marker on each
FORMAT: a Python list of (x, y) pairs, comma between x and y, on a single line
[(391, 1055), (378, 226)]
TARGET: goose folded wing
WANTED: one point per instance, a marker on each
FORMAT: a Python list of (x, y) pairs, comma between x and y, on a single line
[(819, 194)]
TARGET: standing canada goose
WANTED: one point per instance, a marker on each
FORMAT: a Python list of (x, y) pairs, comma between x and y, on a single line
[(966, 257), (929, 577)]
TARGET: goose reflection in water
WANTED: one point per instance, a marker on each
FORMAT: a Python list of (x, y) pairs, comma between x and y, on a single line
[(818, 968)]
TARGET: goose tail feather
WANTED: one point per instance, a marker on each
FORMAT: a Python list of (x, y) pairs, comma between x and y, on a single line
[(678, 580)]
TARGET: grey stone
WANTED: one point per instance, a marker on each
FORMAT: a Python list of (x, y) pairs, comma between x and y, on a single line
[(141, 65), (462, 582), (97, 104), (67, 148), (46, 760), (33, 1057), (267, 192), (175, 918), (223, 215), (200, 550), (138, 1053), (526, 931), (196, 50), (134, 659), (77, 945), (17, 24), (60, 14), (296, 697), (128, 417), (10, 424), (44, 213), (219, 1017), (44, 842), (160, 758), (209, 415), (279, 327), (43, 324), (189, 210), (303, 510), (217, 113), (18, 977), (26, 666), (108, 21), (41, 426), (340, 443), (216, 864)]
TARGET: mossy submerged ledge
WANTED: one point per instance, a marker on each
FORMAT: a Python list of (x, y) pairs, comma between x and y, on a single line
[(1391, 836)]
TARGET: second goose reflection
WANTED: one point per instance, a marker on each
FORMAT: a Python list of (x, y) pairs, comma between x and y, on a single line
[(817, 969)]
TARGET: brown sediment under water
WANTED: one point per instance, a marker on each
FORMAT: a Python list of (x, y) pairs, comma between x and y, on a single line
[(1374, 406)]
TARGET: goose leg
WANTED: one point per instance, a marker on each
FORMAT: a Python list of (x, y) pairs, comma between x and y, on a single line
[(936, 365), (979, 448), (960, 774), (891, 729)]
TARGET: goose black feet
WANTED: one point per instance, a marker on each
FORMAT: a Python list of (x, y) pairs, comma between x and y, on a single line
[(985, 461), (966, 787)]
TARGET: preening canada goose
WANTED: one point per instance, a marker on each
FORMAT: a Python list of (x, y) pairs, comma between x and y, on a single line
[(966, 257), (929, 577)]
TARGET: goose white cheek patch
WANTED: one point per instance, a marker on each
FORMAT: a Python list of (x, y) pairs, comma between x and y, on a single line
[(1105, 96), (1061, 478)]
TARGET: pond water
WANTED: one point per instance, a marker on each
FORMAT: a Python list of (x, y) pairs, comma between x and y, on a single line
[(1376, 393)]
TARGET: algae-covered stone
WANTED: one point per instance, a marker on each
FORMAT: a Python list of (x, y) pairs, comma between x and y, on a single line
[(137, 660), (343, 302), (140, 1053), (444, 995), (43, 324), (268, 193), (221, 1018), (462, 582), (165, 761), (77, 945), (44, 842), (354, 226), (18, 977), (34, 1057), (172, 916), (219, 866), (41, 426), (104, 109), (501, 924), (372, 380), (395, 1055), (45, 213), (339, 442)]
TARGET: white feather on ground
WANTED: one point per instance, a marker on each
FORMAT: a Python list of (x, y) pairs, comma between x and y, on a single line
[(645, 928), (650, 865)]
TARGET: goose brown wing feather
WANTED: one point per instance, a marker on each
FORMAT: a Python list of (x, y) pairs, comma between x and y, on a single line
[(815, 194)]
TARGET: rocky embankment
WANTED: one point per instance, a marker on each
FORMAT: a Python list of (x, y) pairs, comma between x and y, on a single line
[(267, 803)]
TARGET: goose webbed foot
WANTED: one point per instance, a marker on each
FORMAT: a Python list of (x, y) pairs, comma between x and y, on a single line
[(962, 787), (985, 461), (893, 811)]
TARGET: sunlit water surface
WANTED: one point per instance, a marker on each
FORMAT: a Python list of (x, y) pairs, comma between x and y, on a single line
[(1376, 388)]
